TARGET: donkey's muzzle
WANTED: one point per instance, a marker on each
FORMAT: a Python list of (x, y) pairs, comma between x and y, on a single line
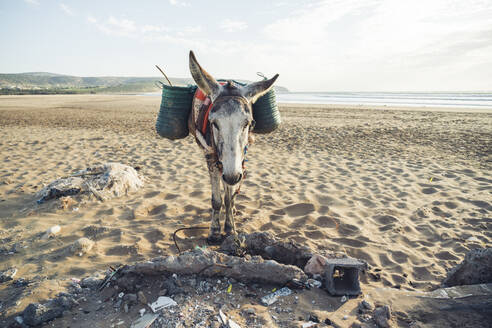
[(232, 179)]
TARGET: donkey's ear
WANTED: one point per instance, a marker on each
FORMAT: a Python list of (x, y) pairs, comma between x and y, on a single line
[(255, 90), (204, 80)]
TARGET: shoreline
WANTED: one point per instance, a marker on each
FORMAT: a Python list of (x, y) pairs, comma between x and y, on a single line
[(420, 108)]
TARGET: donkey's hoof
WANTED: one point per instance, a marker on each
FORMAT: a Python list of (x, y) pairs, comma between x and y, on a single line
[(229, 232), (215, 239)]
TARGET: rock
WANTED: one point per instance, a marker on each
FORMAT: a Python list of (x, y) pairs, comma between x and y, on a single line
[(52, 231), (82, 246), (364, 306), (475, 269), (141, 297), (249, 311), (171, 286), (35, 314), (381, 316), (102, 181), (313, 317), (8, 275), (131, 299), (315, 265), (90, 282)]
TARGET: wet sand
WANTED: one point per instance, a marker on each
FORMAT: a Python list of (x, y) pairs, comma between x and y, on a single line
[(406, 189)]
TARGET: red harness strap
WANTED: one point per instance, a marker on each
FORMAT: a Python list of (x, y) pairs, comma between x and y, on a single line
[(205, 118), (203, 97)]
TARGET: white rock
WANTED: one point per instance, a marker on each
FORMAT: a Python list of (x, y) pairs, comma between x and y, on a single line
[(51, 231), (8, 275), (81, 246)]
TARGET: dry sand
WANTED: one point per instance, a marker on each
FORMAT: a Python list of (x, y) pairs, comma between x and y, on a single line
[(403, 189)]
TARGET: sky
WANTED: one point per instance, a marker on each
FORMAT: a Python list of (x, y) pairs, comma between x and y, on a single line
[(315, 45)]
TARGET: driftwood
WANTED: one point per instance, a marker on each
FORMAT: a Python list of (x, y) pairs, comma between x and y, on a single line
[(211, 263)]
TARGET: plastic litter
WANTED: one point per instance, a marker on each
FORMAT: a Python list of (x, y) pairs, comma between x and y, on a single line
[(161, 303), (273, 297), (145, 321)]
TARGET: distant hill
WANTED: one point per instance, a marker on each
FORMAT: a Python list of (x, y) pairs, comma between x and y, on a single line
[(50, 83)]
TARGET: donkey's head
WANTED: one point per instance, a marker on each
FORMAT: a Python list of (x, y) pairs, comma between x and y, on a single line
[(231, 117)]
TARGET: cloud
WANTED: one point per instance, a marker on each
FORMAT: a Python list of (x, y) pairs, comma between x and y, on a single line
[(230, 25), (32, 2), (122, 27), (179, 3), (358, 44), (115, 26), (66, 9)]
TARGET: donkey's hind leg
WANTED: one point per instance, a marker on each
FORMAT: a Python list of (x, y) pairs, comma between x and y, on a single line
[(214, 233)]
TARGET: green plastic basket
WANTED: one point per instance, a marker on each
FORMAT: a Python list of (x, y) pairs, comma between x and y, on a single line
[(266, 113), (172, 120)]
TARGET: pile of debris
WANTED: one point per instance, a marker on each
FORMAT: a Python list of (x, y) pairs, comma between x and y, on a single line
[(101, 181), (263, 261)]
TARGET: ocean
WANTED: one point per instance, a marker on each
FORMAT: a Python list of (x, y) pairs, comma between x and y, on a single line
[(414, 99), (417, 99)]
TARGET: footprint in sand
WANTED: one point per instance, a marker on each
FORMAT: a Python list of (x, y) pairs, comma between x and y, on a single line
[(158, 209), (154, 236), (326, 221), (299, 209), (151, 194), (385, 219), (122, 250), (429, 191)]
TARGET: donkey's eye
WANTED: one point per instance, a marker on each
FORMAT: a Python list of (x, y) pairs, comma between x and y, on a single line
[(215, 125)]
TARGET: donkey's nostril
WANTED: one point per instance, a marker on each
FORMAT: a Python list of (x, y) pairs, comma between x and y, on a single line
[(232, 179)]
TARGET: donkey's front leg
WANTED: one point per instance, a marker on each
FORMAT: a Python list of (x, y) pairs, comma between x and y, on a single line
[(214, 233), (229, 224)]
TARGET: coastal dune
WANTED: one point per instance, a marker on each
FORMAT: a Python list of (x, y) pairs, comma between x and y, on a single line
[(406, 189)]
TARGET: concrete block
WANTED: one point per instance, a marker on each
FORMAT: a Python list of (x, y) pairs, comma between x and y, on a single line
[(342, 276)]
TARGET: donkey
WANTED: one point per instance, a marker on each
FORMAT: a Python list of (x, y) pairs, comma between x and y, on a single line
[(226, 138)]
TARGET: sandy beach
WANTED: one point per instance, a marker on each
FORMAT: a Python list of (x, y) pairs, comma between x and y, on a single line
[(406, 189)]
